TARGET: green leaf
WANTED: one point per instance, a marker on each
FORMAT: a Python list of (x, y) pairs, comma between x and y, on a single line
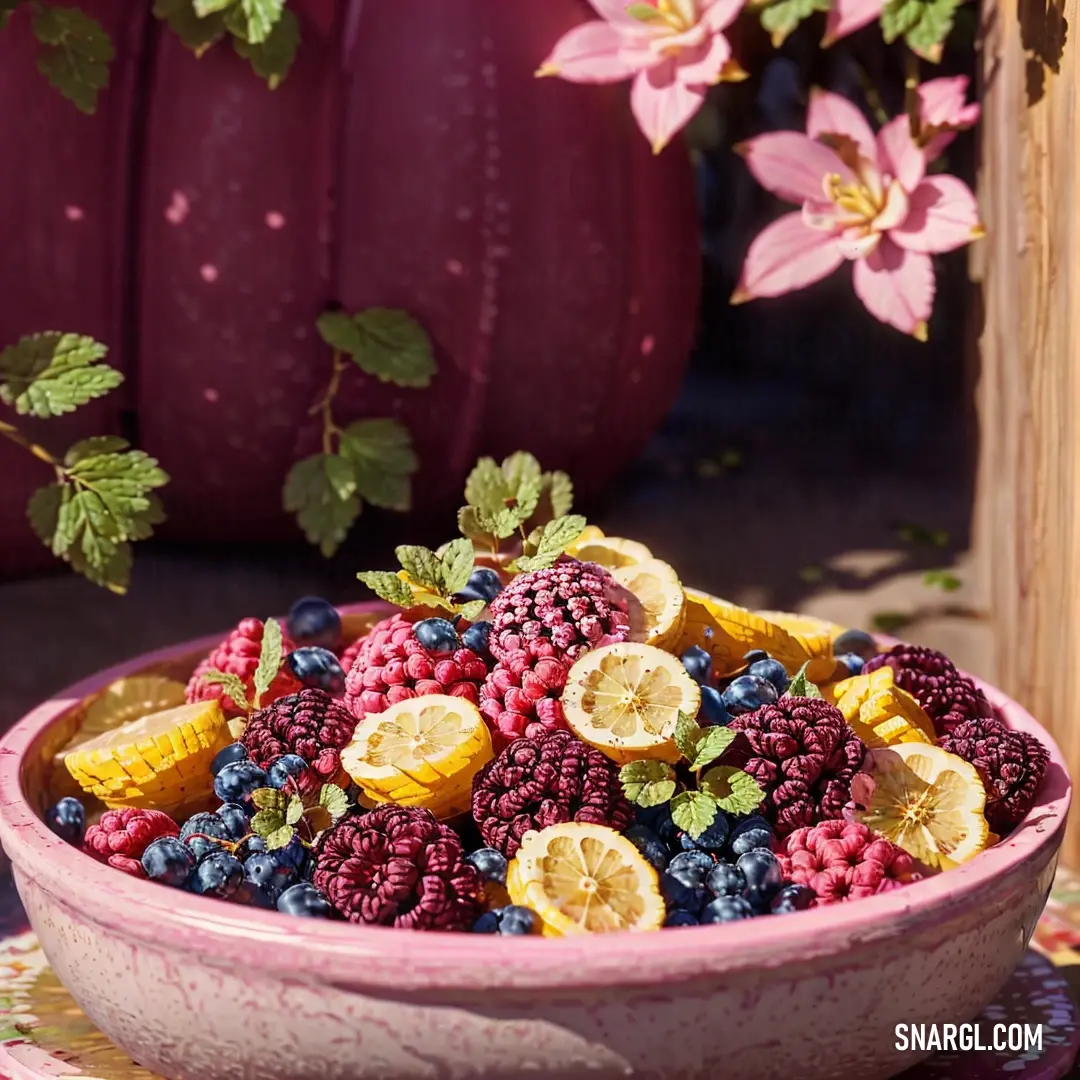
[(693, 812), (801, 686), (486, 488), (456, 565), (50, 374), (268, 798), (944, 580), (335, 800), (560, 489), (75, 54), (269, 659), (339, 332), (470, 610), (315, 491), (900, 16), (43, 510), (924, 24), (888, 622), (393, 347), (251, 20), (520, 469), (198, 34), (422, 565), (271, 59), (208, 7), (279, 838), (782, 17), (687, 733), (231, 684), (382, 459), (93, 447), (733, 790), (712, 742), (294, 811), (388, 587), (266, 822), (556, 536), (647, 783)]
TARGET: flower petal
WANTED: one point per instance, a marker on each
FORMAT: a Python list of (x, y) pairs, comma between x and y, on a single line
[(792, 165), (898, 155), (786, 256), (614, 11), (942, 216), (847, 16), (597, 52), (662, 105), (943, 101), (718, 15), (831, 114), (897, 287), (895, 211), (702, 66)]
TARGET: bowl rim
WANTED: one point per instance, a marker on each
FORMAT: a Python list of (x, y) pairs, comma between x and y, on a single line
[(355, 956)]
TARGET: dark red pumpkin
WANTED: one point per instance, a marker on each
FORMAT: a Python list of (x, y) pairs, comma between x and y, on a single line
[(411, 160)]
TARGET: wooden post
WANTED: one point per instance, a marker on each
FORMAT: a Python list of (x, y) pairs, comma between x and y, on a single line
[(1028, 506)]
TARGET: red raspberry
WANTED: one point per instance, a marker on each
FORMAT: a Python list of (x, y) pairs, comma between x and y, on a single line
[(844, 860), (238, 655), (521, 695), (392, 666), (121, 837)]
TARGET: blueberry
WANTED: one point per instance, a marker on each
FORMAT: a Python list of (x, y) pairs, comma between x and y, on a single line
[(763, 877), (284, 768), (218, 874), (235, 818), (202, 831), (491, 864), (488, 923), (754, 655), (67, 819), (476, 637), (317, 668), (727, 909), (712, 839), (268, 873), (750, 833), (518, 921), (771, 671), (681, 918), (237, 781), (792, 898), (293, 854), (304, 900), (747, 693), (685, 859), (314, 621), (650, 845), (658, 819), (726, 880), (713, 712), (232, 753), (169, 861), (698, 664), (683, 886), (483, 584), (852, 661), (856, 641), (438, 636), (252, 895), (249, 846)]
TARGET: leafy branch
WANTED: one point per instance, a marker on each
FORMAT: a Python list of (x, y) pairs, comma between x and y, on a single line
[(428, 578), (284, 814), (102, 498), (269, 665), (368, 460)]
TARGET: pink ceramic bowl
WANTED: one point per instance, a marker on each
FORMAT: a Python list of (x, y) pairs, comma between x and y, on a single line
[(196, 989)]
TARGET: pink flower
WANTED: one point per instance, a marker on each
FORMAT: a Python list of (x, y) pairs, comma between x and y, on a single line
[(674, 50), (866, 200), (847, 16), (943, 110)]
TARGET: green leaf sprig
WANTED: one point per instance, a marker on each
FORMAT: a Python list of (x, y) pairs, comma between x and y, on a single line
[(284, 814), (434, 578), (801, 686), (782, 17), (270, 662), (923, 24), (368, 460), (103, 497)]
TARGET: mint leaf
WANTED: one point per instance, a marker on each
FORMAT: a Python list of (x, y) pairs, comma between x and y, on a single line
[(687, 734), (208, 7), (339, 332), (334, 800), (801, 686), (393, 347), (320, 490), (232, 685), (388, 587), (520, 469), (75, 54), (92, 447), (555, 537), (43, 510), (279, 837), (898, 17), (422, 565), (470, 610), (712, 742), (693, 812), (294, 810), (923, 24), (50, 374), (266, 822), (456, 566), (269, 659), (485, 487), (782, 17), (560, 491), (382, 459), (251, 20), (198, 34), (733, 790), (271, 59), (647, 783), (268, 798)]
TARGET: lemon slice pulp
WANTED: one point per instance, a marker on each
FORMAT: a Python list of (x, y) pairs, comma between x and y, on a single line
[(421, 752), (879, 712), (660, 595), (585, 879), (610, 551), (625, 700)]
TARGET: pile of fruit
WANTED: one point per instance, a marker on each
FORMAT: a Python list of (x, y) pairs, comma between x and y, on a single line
[(553, 739)]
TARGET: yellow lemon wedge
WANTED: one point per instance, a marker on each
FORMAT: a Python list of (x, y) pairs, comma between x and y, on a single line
[(420, 752), (585, 879), (814, 635), (881, 713), (158, 762), (610, 551), (928, 802), (660, 597), (625, 700)]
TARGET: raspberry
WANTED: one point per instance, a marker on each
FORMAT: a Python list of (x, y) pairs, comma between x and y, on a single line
[(804, 754), (1010, 763), (521, 695), (536, 782), (349, 654), (398, 866), (238, 655), (574, 604), (312, 725), (121, 837), (392, 665), (844, 860)]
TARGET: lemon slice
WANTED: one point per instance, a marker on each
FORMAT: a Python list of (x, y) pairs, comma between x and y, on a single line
[(660, 594), (625, 700), (610, 551), (814, 635), (585, 879), (881, 713), (421, 752), (159, 762), (928, 802)]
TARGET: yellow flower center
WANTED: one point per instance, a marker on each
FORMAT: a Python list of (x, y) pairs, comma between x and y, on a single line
[(678, 14), (857, 200)]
